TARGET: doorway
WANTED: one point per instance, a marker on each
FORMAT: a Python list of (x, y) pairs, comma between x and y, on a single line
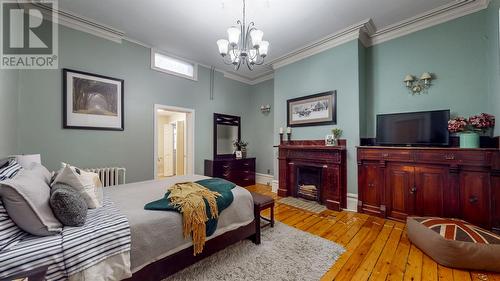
[(174, 137)]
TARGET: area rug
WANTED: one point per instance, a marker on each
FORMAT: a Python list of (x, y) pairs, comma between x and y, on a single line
[(304, 204), (285, 253)]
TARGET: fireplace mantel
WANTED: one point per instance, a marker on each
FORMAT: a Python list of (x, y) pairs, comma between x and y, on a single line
[(314, 153)]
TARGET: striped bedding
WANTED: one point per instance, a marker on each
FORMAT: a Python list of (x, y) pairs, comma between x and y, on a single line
[(106, 233)]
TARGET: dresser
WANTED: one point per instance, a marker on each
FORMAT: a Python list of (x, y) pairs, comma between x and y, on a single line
[(238, 171), (446, 182)]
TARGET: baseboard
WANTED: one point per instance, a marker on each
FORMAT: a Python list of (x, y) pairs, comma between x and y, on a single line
[(352, 202), (274, 186), (264, 179)]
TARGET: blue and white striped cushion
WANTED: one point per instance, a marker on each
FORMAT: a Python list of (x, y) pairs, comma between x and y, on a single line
[(10, 233), (10, 170)]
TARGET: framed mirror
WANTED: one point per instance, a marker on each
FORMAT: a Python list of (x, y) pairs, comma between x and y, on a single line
[(227, 129)]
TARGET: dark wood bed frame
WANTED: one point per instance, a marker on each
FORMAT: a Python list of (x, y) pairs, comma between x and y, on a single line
[(182, 259)]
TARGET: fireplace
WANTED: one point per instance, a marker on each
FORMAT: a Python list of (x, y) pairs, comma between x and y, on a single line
[(308, 183), (311, 170)]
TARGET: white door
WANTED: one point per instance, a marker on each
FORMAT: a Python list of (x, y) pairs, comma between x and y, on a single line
[(168, 150), (180, 152)]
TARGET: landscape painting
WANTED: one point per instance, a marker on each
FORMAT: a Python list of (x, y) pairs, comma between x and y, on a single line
[(314, 110), (92, 101)]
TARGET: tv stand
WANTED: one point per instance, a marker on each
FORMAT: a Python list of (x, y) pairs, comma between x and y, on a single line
[(396, 182)]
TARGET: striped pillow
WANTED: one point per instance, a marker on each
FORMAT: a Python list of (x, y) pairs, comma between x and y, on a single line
[(10, 233), (9, 170)]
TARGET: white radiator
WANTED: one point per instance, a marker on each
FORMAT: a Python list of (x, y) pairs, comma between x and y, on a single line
[(110, 176)]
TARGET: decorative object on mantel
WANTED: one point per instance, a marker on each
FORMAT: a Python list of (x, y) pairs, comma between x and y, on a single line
[(281, 135), (245, 45), (333, 139), (265, 108), (313, 110), (289, 133), (418, 86), (241, 146), (468, 129), (92, 102)]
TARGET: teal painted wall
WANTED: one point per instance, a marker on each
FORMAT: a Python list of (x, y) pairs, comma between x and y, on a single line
[(334, 69), (40, 107), (8, 112), (494, 60), (456, 51), (260, 134)]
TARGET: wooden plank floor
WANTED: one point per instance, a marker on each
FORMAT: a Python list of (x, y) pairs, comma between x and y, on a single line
[(376, 249)]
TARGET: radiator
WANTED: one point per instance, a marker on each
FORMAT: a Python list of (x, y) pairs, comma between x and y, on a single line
[(110, 176)]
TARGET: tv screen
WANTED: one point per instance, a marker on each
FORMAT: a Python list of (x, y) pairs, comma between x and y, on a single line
[(429, 128)]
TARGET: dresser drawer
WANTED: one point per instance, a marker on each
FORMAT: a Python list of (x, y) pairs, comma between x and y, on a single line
[(385, 154), (455, 156)]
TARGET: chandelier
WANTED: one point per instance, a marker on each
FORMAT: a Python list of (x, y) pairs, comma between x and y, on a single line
[(244, 45)]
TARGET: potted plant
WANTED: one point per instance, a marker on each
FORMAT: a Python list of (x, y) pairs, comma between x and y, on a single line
[(337, 133), (468, 129), (241, 146)]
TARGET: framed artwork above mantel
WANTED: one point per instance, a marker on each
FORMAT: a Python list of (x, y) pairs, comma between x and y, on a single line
[(314, 110), (92, 101)]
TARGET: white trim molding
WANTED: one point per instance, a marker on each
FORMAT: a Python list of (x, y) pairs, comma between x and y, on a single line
[(266, 76), (352, 202), (264, 179), (274, 186), (366, 32)]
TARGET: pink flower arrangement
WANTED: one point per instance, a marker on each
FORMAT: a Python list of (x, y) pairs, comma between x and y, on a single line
[(457, 124), (480, 122)]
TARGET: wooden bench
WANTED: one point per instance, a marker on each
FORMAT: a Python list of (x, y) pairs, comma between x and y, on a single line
[(261, 203)]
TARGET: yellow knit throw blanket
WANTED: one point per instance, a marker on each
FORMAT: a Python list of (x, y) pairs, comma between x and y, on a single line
[(188, 198)]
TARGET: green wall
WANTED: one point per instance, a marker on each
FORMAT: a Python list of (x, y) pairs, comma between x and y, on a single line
[(8, 112), (260, 133), (40, 107), (494, 60), (334, 69), (456, 52)]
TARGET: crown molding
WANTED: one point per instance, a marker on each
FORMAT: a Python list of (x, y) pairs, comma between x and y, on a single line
[(368, 35), (333, 40), (428, 19), (80, 23)]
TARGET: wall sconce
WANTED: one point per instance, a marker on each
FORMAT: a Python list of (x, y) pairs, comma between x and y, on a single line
[(417, 86), (265, 108)]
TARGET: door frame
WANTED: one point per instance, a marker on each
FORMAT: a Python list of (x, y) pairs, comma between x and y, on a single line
[(189, 139)]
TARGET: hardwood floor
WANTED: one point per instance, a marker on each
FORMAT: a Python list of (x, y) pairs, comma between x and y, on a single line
[(376, 249)]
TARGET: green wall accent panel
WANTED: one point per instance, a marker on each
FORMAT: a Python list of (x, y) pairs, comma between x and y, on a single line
[(334, 69), (40, 107), (8, 112), (456, 52), (260, 134)]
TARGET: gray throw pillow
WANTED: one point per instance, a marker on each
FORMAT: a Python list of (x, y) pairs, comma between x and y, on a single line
[(26, 198), (68, 205)]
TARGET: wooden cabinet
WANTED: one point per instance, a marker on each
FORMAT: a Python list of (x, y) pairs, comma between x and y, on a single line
[(447, 182), (239, 171)]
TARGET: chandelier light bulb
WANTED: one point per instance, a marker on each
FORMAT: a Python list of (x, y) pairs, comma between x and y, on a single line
[(263, 48), (252, 56), (223, 45), (233, 34), (235, 56), (256, 36)]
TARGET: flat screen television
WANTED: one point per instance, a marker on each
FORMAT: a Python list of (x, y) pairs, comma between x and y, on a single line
[(427, 128)]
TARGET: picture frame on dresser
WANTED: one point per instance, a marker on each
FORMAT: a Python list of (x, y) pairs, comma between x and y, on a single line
[(92, 101)]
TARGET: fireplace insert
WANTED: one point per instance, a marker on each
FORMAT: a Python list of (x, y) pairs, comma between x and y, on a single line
[(308, 184)]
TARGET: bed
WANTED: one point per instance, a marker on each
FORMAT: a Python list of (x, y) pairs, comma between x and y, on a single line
[(158, 248), (151, 245)]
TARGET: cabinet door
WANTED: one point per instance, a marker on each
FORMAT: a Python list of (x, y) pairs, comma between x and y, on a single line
[(371, 188), (475, 197), (400, 191), (430, 183)]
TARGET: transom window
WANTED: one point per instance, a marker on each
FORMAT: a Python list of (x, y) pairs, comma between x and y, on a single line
[(172, 65)]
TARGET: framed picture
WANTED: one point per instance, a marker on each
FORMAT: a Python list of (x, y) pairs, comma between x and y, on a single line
[(329, 140), (239, 154), (314, 110), (92, 102)]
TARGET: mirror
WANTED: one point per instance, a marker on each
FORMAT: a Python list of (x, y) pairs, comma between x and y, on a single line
[(227, 129)]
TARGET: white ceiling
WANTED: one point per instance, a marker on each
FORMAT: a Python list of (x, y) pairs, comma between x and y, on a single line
[(190, 28)]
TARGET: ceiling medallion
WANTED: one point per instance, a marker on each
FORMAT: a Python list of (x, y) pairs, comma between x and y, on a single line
[(244, 45)]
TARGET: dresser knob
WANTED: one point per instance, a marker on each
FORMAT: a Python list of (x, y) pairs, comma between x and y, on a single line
[(473, 199), (385, 155), (413, 190), (449, 157)]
